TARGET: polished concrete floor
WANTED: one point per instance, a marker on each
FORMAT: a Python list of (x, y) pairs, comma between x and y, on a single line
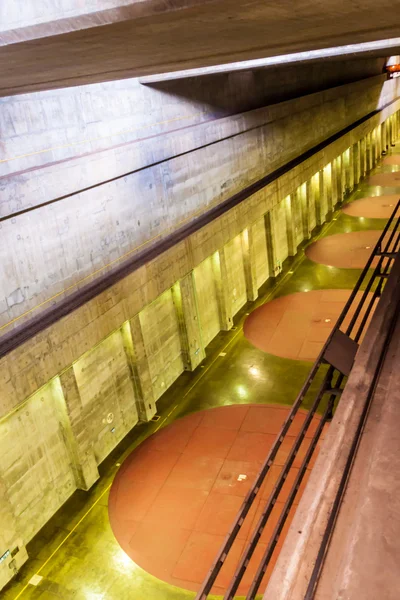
[(175, 498), (76, 553), (297, 325)]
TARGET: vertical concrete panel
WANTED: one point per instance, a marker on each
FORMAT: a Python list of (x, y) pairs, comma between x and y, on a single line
[(356, 163), (132, 337), (107, 393), (279, 235), (185, 301), (260, 252), (249, 263), (320, 200), (207, 300), (311, 191), (219, 265), (68, 402), (346, 172), (384, 136), (289, 204), (298, 211), (327, 199), (35, 465), (236, 280), (161, 338), (350, 178)]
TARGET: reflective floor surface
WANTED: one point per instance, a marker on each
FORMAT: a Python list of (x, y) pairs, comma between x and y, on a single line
[(76, 553)]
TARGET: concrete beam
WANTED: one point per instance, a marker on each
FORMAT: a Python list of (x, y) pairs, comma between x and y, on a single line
[(133, 39)]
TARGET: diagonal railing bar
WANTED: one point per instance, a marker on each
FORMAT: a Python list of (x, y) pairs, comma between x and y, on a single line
[(252, 544), (288, 505), (391, 247)]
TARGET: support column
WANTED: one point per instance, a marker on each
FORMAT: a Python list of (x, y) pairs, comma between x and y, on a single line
[(221, 278), (363, 165), (12, 546), (270, 242), (356, 163), (343, 176), (375, 147), (334, 185), (328, 188), (378, 143), (305, 213), (76, 430), (185, 301), (249, 263), (392, 132), (350, 177), (135, 350), (384, 137), (290, 224), (307, 205), (367, 154), (370, 162), (319, 198)]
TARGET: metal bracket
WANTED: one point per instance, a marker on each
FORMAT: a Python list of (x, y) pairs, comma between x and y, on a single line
[(341, 352)]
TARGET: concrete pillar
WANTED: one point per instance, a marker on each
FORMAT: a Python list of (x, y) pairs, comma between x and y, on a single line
[(185, 301), (392, 131), (363, 164), (309, 205), (350, 178), (249, 263), (290, 224), (395, 127), (378, 143), (356, 163), (12, 548), (76, 429), (328, 193), (375, 146), (344, 161), (370, 152), (319, 198), (135, 351), (221, 279), (334, 184), (270, 242), (384, 137)]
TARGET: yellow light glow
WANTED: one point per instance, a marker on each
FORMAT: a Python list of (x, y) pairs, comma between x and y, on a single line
[(254, 371), (242, 392)]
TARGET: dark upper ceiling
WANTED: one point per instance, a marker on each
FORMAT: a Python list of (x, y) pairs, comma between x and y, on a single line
[(151, 37)]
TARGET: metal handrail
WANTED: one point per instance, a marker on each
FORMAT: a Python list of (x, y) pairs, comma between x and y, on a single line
[(380, 272)]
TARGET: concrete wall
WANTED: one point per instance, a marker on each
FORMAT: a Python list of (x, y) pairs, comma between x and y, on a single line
[(35, 466), (207, 300), (109, 361), (50, 250), (107, 394), (160, 330)]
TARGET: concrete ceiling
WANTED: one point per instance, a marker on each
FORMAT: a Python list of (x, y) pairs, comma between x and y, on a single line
[(153, 36)]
